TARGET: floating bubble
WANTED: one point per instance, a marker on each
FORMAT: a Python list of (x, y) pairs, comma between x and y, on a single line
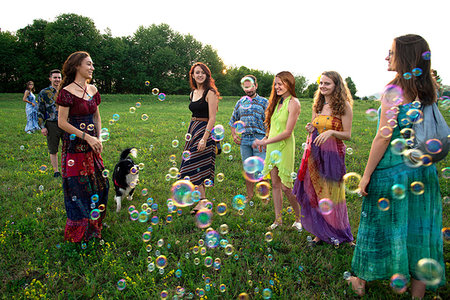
[(82, 126), (220, 177), (182, 193), (105, 173), (253, 164), (230, 157), (161, 97), (386, 131), (399, 283), (417, 188), (398, 191), (275, 157), (186, 155), (239, 127), (349, 151), (416, 71), (155, 91), (407, 133), (412, 157), (414, 115), (91, 127), (155, 220), (212, 239), (226, 148), (351, 181), (144, 192), (187, 137), (392, 95), (160, 243), (239, 202), (115, 117), (392, 123), (41, 187), (245, 102), (94, 198), (398, 146), (426, 160), (70, 162), (218, 133), (222, 288), (147, 83), (143, 217), (446, 234), (223, 229), (164, 294), (134, 215), (267, 293), (43, 168), (173, 172), (229, 249), (121, 284), (268, 237), (138, 104), (392, 113), (243, 296), (104, 135), (203, 218), (134, 170), (263, 189), (429, 271), (426, 55), (433, 146), (221, 209), (415, 104), (325, 206), (347, 275), (208, 183), (161, 262), (371, 114), (407, 75), (144, 117), (172, 157), (132, 110), (446, 172), (175, 143), (72, 137), (383, 204)]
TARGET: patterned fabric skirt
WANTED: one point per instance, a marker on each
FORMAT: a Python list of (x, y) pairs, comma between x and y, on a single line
[(85, 189), (32, 118), (393, 240), (200, 165), (319, 177)]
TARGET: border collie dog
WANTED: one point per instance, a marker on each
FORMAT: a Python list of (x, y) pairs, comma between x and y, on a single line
[(125, 177)]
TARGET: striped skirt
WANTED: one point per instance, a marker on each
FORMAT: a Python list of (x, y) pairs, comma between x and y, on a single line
[(200, 165)]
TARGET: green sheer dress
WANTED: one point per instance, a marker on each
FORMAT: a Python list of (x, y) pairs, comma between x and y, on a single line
[(393, 238)]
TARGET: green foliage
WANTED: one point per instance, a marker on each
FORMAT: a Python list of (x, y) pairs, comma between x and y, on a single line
[(310, 90), (351, 86), (36, 263)]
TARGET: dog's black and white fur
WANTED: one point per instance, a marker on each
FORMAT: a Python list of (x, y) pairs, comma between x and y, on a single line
[(123, 177)]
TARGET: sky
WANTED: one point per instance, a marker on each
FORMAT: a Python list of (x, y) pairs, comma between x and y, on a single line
[(305, 37)]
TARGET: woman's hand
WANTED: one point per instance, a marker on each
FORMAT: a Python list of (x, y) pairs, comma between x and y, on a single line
[(201, 145), (323, 137), (260, 144), (95, 143), (33, 104), (309, 127), (363, 185)]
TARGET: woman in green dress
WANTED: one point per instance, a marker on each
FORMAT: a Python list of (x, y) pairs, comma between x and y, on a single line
[(399, 235), (281, 116)]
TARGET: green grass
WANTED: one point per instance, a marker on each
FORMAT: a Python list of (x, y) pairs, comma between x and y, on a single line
[(35, 261)]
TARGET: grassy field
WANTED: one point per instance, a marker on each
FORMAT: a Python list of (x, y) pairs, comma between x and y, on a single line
[(35, 262)]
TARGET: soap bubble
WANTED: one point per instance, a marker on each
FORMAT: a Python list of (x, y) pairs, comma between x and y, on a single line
[(221, 209), (417, 71), (267, 293), (132, 110), (268, 237), (262, 189), (186, 155), (229, 249), (41, 187), (399, 283), (226, 148), (182, 193), (429, 271), (43, 168), (275, 157), (208, 182), (392, 123), (134, 215), (121, 284), (147, 83), (412, 158), (383, 204), (161, 262), (398, 146), (239, 202), (253, 164), (349, 151), (386, 131), (95, 214), (446, 172), (426, 55), (398, 191), (245, 102), (218, 133), (116, 117), (407, 133), (220, 177), (143, 217), (351, 181), (105, 173), (72, 137), (104, 135), (161, 97), (325, 206), (203, 218), (175, 143), (155, 91), (407, 75), (392, 95), (417, 188), (223, 229), (433, 146), (144, 117), (212, 239), (187, 137), (173, 172), (239, 127), (372, 114), (426, 160), (414, 115)]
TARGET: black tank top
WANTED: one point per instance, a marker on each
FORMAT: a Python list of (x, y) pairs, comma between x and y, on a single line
[(199, 108)]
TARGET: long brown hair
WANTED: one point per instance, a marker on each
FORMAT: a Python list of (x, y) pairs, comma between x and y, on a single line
[(209, 83), (69, 69), (27, 84), (408, 51), (341, 94), (289, 82)]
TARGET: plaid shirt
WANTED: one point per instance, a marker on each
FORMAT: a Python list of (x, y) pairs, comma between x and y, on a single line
[(253, 117), (48, 111)]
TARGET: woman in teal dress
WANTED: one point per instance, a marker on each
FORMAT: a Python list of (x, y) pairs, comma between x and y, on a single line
[(281, 116), (401, 214), (31, 109)]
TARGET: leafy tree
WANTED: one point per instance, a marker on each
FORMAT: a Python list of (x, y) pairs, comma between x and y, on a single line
[(352, 87), (9, 77), (310, 90)]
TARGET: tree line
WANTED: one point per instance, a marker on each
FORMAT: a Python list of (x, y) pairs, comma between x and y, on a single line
[(123, 64)]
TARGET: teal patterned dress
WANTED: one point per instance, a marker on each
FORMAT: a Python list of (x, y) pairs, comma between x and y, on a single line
[(393, 240)]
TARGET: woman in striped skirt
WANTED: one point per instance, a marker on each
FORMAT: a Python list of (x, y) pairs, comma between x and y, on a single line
[(203, 103)]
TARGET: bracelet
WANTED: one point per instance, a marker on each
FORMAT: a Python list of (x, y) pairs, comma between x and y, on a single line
[(207, 130), (82, 137)]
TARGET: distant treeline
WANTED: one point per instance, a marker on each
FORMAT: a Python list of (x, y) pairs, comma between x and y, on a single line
[(156, 53)]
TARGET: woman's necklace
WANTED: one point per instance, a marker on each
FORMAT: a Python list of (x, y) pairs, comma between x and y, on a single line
[(84, 91)]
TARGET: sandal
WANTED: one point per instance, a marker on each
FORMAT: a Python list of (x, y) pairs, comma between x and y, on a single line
[(273, 226)]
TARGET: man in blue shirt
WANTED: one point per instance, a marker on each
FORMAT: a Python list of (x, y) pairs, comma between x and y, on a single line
[(48, 118), (250, 115)]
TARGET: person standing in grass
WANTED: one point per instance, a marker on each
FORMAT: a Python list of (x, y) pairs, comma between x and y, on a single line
[(203, 103), (395, 236), (85, 189), (319, 186), (253, 122), (48, 118), (31, 109), (281, 116)]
